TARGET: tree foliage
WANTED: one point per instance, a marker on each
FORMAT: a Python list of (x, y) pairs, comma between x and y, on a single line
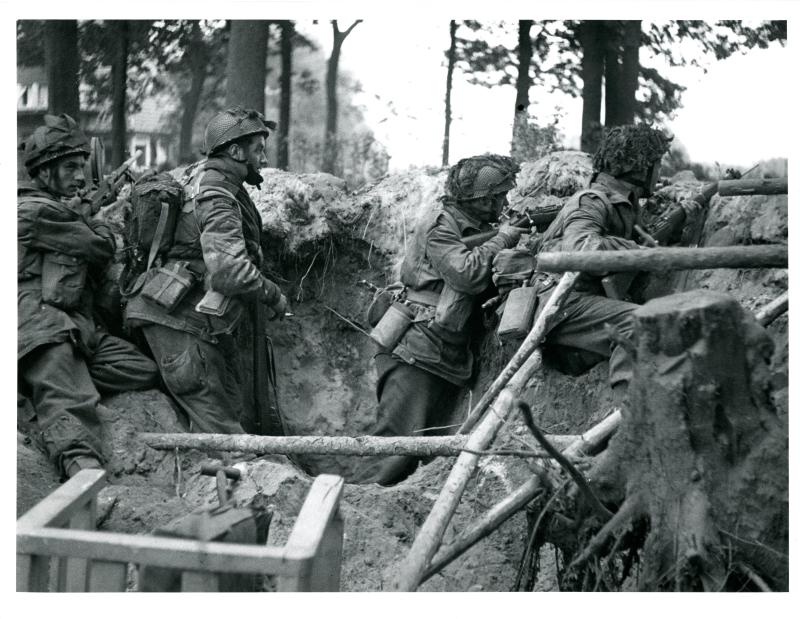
[(488, 53)]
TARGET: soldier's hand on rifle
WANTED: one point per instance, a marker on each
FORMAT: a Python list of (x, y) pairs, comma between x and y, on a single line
[(511, 232)]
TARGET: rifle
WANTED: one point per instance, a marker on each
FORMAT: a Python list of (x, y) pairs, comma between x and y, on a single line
[(103, 190), (540, 218)]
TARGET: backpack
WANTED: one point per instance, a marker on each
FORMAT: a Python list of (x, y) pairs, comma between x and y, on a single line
[(149, 225)]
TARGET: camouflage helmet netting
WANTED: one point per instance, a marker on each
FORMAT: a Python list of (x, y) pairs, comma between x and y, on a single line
[(232, 124), (59, 137), (477, 177), (630, 148)]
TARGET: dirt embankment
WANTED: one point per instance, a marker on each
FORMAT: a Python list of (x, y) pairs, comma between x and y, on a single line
[(325, 241)]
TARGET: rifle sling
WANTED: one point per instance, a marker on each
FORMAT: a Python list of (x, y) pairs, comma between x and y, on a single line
[(159, 234)]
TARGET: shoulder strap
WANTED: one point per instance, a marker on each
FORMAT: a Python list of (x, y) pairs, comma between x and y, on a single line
[(158, 236), (40, 200)]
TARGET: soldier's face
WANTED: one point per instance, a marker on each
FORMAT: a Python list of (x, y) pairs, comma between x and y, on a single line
[(255, 153), (65, 177)]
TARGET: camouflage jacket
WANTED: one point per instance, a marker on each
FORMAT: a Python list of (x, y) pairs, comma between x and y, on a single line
[(221, 240), (604, 214), (60, 253), (443, 278)]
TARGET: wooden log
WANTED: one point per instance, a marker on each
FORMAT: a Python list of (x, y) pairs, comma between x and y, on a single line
[(533, 340), (753, 187), (331, 445), (666, 259), (773, 309), (409, 573)]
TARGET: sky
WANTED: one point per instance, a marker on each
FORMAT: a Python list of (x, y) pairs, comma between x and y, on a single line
[(735, 113)]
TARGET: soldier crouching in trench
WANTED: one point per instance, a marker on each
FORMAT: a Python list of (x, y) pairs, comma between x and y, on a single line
[(65, 360), (420, 376), (626, 168), (216, 247)]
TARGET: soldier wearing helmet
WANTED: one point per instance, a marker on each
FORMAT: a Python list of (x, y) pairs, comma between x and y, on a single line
[(441, 279), (216, 248), (65, 359), (603, 216)]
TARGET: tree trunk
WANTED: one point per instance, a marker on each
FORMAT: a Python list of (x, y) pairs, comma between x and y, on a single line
[(287, 32), (629, 73), (119, 83), (612, 71), (247, 64), (198, 66), (61, 61), (330, 147), (523, 87), (448, 112), (702, 449), (589, 33)]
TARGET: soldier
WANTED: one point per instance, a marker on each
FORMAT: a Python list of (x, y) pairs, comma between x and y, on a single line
[(66, 360), (218, 241), (420, 378), (626, 168)]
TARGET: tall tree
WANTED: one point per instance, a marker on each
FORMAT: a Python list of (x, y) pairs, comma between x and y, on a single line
[(119, 80), (329, 150), (525, 52), (247, 64), (287, 44), (61, 60), (448, 112), (591, 39), (198, 56)]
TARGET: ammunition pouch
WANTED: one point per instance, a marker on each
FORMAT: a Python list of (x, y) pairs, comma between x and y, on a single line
[(169, 285), (63, 280)]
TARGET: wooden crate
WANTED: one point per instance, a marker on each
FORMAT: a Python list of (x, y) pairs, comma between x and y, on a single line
[(58, 548)]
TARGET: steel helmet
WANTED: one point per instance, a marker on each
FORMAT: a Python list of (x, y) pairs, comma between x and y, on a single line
[(630, 148), (232, 124), (60, 136), (481, 176)]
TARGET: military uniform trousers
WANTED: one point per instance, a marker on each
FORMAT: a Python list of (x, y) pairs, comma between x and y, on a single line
[(409, 399), (203, 377), (581, 327), (65, 384)]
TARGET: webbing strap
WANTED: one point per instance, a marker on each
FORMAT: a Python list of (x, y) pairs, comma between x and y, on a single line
[(159, 234)]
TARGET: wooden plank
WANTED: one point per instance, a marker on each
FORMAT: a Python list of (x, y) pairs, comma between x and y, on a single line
[(316, 513), (327, 566), (33, 572), (108, 576), (64, 502), (163, 551), (76, 570), (199, 581)]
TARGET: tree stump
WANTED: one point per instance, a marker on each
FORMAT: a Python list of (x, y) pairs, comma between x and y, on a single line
[(701, 452)]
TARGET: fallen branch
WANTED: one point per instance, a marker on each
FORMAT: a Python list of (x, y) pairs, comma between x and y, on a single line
[(666, 259), (628, 511), (422, 446), (427, 541), (490, 521), (753, 187), (773, 309), (586, 443)]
